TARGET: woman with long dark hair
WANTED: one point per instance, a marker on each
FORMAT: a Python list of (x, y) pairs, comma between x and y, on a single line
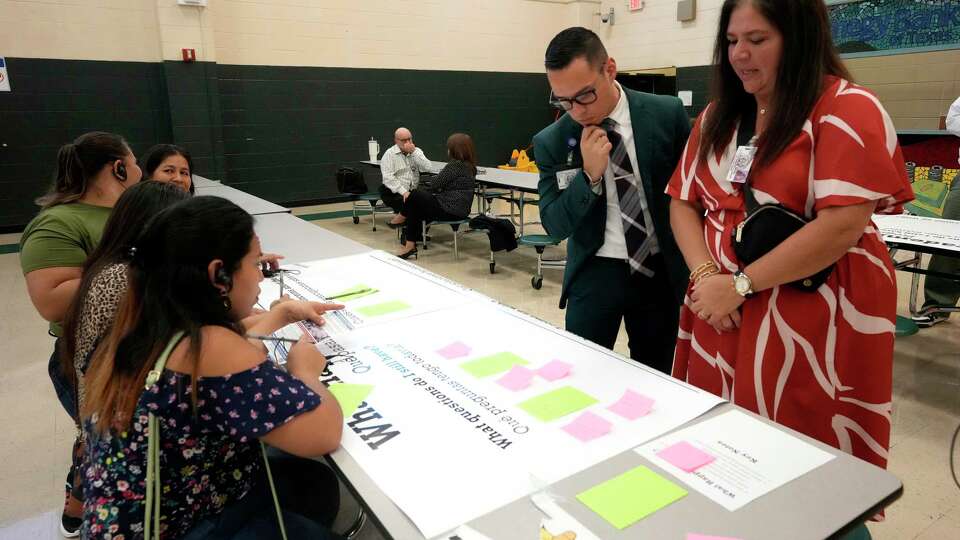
[(177, 351), (449, 197), (105, 274), (802, 333), (91, 174), (169, 163), (103, 282)]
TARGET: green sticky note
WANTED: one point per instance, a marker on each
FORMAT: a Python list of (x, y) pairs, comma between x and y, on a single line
[(376, 310), (357, 291), (350, 395), (632, 496), (493, 364), (557, 404)]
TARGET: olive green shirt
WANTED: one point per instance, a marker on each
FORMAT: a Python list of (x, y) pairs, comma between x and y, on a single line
[(62, 236)]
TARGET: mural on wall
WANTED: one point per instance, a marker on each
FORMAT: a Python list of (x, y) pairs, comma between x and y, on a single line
[(888, 25)]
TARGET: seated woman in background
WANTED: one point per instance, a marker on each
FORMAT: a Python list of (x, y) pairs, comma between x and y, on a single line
[(169, 163), (214, 397), (450, 195), (91, 174), (172, 163)]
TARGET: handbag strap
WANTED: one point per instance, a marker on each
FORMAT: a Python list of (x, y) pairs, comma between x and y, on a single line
[(152, 518), (745, 132)]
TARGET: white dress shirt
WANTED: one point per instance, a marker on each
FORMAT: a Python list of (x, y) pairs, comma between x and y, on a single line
[(953, 118), (401, 172), (614, 242)]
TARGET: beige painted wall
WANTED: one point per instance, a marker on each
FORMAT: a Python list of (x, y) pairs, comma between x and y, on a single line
[(80, 29), (653, 38), (187, 27), (484, 35), (489, 35), (474, 35), (916, 89)]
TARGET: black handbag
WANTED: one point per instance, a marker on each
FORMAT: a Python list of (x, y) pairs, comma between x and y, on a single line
[(350, 180), (767, 225)]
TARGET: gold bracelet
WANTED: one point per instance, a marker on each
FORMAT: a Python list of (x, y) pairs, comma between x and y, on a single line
[(704, 274), (705, 268), (711, 272)]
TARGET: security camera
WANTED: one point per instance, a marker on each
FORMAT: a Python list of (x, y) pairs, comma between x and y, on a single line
[(607, 17)]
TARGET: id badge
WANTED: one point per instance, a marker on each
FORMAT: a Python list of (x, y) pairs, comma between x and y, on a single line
[(565, 177), (742, 161)]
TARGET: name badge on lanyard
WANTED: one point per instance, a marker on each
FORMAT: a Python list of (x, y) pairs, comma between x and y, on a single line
[(565, 177), (742, 162)]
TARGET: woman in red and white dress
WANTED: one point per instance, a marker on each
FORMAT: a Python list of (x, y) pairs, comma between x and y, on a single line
[(819, 362)]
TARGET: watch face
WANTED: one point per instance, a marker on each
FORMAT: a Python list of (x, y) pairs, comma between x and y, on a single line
[(741, 284)]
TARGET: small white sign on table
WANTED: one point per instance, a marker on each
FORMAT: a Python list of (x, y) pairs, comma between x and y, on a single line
[(751, 458), (932, 232)]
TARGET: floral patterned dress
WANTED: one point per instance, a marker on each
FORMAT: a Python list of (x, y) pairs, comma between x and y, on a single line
[(822, 362), (208, 460)]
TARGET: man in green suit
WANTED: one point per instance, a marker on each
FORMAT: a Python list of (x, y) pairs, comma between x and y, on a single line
[(604, 166)]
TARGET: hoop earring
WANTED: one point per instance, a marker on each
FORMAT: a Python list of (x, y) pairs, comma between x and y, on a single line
[(227, 305)]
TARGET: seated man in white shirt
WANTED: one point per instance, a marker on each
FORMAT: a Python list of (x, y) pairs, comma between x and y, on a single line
[(400, 167)]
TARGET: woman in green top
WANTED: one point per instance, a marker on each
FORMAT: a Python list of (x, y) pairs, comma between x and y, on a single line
[(92, 172)]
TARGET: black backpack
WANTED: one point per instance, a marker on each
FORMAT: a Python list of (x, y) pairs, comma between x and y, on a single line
[(350, 180)]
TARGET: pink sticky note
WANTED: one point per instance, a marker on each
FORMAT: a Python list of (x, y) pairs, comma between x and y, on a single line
[(695, 536), (454, 350), (554, 370), (588, 426), (517, 378), (632, 405), (685, 456)]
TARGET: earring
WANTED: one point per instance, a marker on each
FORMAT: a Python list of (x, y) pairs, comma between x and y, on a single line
[(226, 300)]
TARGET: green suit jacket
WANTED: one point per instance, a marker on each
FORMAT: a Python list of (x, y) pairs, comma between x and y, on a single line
[(577, 214)]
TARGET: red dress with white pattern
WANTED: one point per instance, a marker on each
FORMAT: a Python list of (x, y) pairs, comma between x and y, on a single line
[(820, 363)]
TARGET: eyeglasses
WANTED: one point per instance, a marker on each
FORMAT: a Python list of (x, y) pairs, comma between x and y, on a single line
[(583, 98)]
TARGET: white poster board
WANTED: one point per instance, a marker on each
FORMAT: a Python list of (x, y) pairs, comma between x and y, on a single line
[(440, 434)]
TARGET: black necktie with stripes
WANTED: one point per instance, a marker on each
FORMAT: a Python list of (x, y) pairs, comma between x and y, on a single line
[(631, 205)]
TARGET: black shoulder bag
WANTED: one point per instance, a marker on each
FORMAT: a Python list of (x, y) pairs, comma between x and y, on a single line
[(767, 225), (350, 180)]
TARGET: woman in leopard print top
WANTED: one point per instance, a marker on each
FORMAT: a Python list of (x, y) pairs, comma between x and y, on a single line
[(101, 288), (97, 311), (104, 273)]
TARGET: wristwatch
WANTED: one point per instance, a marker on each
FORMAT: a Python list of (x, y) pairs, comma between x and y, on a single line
[(742, 284)]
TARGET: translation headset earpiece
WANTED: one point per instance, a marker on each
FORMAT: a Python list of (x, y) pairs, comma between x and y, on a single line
[(120, 171), (222, 278)]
